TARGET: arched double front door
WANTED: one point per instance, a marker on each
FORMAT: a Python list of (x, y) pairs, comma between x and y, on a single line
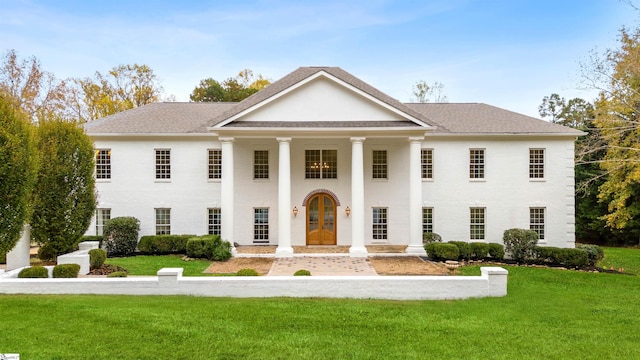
[(321, 220)]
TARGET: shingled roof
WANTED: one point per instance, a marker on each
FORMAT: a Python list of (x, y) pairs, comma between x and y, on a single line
[(446, 118), (478, 118), (160, 118)]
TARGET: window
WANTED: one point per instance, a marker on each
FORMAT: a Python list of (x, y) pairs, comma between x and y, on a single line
[(321, 164), (476, 163), (215, 221), (536, 221), (260, 225), (163, 221), (215, 164), (261, 164), (103, 164), (426, 156), (427, 220), (102, 216), (477, 227), (536, 163), (163, 163), (379, 170), (380, 223)]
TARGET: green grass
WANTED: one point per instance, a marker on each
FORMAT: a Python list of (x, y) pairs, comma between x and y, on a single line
[(625, 258), (547, 314), (150, 264)]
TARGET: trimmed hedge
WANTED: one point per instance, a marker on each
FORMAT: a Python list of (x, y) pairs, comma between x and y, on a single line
[(479, 250), (496, 251), (97, 257), (210, 247), (66, 271), (567, 257), (247, 272), (464, 249), (3, 258), (519, 243), (302, 272), (164, 244), (39, 272), (442, 251)]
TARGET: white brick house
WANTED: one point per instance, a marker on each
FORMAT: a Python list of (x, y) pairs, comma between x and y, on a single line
[(321, 158)]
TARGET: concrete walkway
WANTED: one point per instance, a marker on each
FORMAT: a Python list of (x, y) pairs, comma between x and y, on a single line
[(322, 265)]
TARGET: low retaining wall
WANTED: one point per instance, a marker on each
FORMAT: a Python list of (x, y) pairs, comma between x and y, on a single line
[(491, 283)]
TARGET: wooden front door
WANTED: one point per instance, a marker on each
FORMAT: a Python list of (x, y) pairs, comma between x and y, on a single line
[(321, 220)]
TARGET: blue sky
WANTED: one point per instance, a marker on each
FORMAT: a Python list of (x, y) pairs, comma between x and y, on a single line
[(505, 53)]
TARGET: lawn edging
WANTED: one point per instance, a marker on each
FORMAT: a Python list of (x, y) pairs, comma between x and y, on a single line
[(492, 282)]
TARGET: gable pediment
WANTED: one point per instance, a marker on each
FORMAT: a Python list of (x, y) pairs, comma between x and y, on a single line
[(321, 98)]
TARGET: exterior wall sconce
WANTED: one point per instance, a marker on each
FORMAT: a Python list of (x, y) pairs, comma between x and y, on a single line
[(347, 211), (295, 211)]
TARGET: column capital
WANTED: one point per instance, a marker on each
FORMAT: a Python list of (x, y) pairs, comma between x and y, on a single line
[(283, 139), (416, 138), (226, 139), (358, 139)]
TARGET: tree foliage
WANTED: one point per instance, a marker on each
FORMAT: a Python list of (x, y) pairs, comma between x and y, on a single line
[(235, 89), (424, 93), (64, 199), (37, 92), (617, 116), (18, 166), (122, 88)]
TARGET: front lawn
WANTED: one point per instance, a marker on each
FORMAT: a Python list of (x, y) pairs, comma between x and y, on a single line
[(547, 314), (150, 264)]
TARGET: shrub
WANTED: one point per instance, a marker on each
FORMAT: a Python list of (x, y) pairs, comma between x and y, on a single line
[(442, 251), (429, 237), (570, 258), (3, 258), (97, 257), (496, 251), (479, 250), (247, 272), (121, 235), (464, 249), (519, 243), (164, 244), (594, 253), (545, 255), (302, 272), (117, 274), (210, 247), (34, 272), (46, 252), (66, 271)]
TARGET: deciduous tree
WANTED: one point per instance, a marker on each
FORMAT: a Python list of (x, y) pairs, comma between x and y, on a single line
[(231, 90), (424, 93)]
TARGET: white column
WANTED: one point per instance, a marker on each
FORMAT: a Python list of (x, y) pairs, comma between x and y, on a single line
[(19, 256), (226, 189), (357, 199), (415, 198), (284, 198)]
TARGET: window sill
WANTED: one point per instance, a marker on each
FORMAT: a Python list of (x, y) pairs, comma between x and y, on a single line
[(214, 180), (103, 180), (478, 180), (163, 180), (261, 180), (537, 180), (427, 180), (380, 180)]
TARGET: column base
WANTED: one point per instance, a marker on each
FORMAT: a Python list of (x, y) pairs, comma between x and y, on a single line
[(284, 251), (416, 249), (355, 251)]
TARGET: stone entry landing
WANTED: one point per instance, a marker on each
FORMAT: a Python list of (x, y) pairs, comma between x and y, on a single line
[(271, 249), (322, 265)]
